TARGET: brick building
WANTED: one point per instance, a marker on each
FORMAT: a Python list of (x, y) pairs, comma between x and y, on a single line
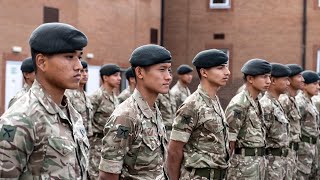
[(114, 28), (272, 30)]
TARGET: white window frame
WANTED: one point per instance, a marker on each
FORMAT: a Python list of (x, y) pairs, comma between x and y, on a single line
[(318, 61), (225, 5)]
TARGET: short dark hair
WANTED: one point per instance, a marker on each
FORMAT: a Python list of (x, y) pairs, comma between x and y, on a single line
[(34, 54), (198, 71)]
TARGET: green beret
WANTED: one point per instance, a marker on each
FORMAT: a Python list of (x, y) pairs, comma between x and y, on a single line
[(310, 76), (280, 70), (295, 69), (184, 69), (148, 55), (109, 69), (129, 73), (210, 58), (84, 64), (27, 65), (256, 67), (54, 38)]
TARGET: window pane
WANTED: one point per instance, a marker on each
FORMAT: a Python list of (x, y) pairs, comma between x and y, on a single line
[(50, 15)]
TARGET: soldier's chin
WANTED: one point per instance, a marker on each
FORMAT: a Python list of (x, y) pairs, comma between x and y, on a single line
[(164, 91)]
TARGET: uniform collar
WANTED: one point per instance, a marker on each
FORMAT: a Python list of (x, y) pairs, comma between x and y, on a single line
[(107, 95), (142, 104)]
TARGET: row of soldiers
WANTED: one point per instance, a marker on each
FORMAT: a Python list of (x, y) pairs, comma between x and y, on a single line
[(54, 130)]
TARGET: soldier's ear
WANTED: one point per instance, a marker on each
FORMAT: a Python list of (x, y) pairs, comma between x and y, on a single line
[(41, 62), (203, 73), (139, 72), (273, 80), (250, 79)]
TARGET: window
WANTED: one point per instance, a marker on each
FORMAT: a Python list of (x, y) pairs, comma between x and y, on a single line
[(153, 36), (318, 60), (220, 4), (50, 15)]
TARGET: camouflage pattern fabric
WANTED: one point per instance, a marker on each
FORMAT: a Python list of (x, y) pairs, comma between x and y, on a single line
[(81, 103), (19, 94), (125, 94), (134, 144), (291, 109), (167, 106), (307, 159), (41, 140), (247, 129), (277, 135), (179, 93), (103, 106), (316, 102), (200, 123)]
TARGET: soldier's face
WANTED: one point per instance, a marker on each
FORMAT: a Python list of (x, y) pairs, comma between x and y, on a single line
[(218, 75), (297, 81), (261, 82), (186, 78), (312, 89), (84, 76), (61, 71), (157, 78), (281, 84), (113, 80)]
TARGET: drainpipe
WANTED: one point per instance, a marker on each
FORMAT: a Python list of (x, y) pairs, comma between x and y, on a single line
[(162, 23), (304, 33)]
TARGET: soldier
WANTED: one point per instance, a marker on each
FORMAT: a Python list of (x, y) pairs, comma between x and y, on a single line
[(180, 90), (246, 123), (134, 145), (307, 152), (42, 136), (104, 102), (27, 70), (80, 100), (167, 106), (199, 144), (276, 122), (291, 110), (129, 90)]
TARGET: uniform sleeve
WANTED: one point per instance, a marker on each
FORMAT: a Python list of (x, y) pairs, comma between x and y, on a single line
[(16, 145), (235, 117), (268, 115), (184, 123), (119, 135), (94, 98)]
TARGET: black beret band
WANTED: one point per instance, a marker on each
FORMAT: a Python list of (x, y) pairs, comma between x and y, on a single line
[(210, 58), (84, 64), (148, 55), (27, 65), (184, 69), (280, 70), (109, 69), (256, 67), (53, 38)]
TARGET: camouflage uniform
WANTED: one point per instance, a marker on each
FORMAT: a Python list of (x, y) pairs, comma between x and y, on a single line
[(200, 123), (134, 144), (291, 109), (179, 93), (277, 137), (103, 106), (247, 129), (316, 102), (19, 94), (41, 140), (167, 106), (125, 94), (307, 152), (81, 103)]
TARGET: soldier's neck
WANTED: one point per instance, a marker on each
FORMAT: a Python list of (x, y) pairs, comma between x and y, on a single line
[(273, 92), (148, 95), (55, 92), (81, 87), (252, 91), (108, 88), (292, 92), (183, 84), (211, 89)]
